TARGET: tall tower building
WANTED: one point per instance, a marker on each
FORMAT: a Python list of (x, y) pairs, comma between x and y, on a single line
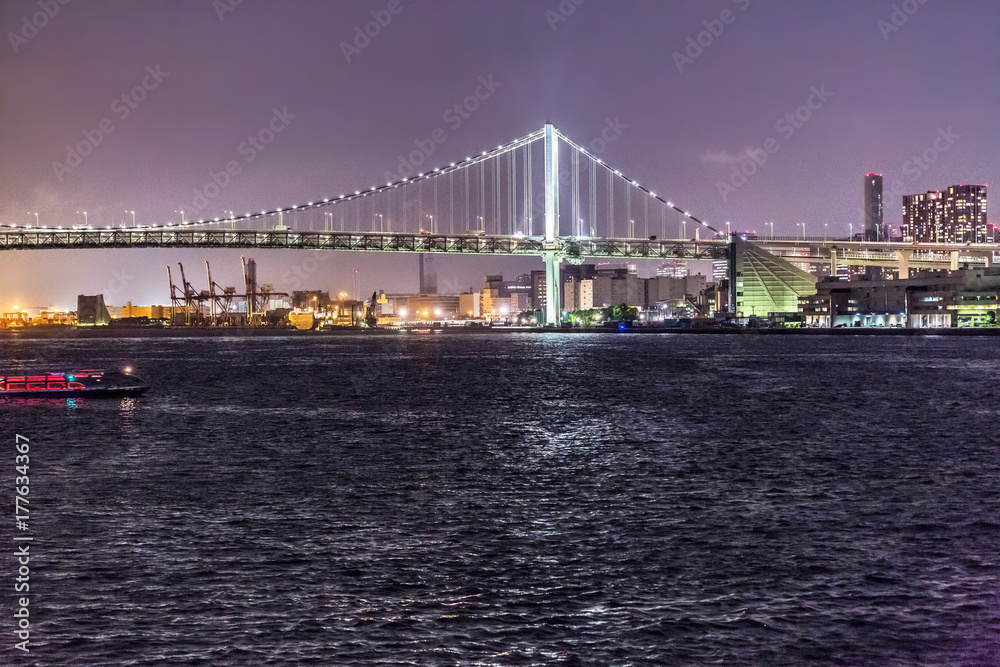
[(955, 215), (874, 226), (427, 274)]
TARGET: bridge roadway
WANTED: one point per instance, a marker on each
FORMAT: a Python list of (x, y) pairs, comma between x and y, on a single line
[(569, 248), (835, 251), (882, 253)]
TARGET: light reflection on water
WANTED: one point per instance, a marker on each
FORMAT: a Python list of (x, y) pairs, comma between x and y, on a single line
[(520, 498)]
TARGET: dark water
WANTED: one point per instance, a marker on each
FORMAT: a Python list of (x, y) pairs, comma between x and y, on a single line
[(515, 499)]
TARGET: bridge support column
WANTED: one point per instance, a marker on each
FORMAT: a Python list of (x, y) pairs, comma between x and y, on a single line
[(553, 291), (903, 258), (954, 260), (553, 303), (551, 183)]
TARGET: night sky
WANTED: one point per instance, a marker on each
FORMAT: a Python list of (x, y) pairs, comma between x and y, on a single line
[(888, 82)]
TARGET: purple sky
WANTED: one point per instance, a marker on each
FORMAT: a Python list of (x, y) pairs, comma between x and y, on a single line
[(894, 91)]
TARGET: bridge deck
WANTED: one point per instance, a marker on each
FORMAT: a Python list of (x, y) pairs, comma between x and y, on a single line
[(364, 242)]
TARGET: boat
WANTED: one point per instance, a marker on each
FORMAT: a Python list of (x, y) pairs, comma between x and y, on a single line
[(88, 382)]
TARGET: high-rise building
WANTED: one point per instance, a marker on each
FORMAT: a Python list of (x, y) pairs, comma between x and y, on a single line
[(955, 215), (874, 226)]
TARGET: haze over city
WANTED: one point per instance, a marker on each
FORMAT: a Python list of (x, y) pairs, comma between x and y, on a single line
[(494, 332), (742, 111)]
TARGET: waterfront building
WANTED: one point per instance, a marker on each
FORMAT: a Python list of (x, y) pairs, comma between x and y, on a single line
[(538, 297), (578, 294), (762, 283), (411, 307), (716, 298), (674, 268), (663, 288), (501, 298), (964, 298), (90, 310), (955, 215), (314, 300), (130, 311), (536, 282), (616, 289), (468, 304), (719, 268)]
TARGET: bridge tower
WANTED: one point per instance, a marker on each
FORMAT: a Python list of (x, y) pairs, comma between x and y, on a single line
[(553, 290)]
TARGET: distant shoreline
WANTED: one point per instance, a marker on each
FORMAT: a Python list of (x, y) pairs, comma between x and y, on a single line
[(42, 333)]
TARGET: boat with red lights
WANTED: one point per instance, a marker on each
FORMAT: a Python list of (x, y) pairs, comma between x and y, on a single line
[(89, 382)]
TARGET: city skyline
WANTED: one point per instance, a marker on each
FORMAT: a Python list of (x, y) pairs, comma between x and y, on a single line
[(687, 100)]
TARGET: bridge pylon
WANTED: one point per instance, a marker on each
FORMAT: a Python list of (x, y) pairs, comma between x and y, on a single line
[(553, 291)]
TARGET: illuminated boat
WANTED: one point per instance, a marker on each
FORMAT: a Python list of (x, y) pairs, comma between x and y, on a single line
[(88, 382)]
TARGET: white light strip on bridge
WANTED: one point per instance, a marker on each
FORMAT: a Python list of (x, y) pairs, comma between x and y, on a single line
[(635, 183), (440, 171)]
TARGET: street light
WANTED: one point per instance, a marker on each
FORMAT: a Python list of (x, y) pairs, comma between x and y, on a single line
[(330, 216), (431, 226), (850, 226), (631, 229), (380, 229), (182, 215), (133, 217), (772, 230), (482, 223), (803, 229), (728, 231), (824, 231), (36, 217)]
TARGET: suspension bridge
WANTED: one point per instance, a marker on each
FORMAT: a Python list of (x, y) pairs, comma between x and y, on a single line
[(541, 195)]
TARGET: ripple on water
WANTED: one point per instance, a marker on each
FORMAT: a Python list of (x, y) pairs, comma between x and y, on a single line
[(519, 500)]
